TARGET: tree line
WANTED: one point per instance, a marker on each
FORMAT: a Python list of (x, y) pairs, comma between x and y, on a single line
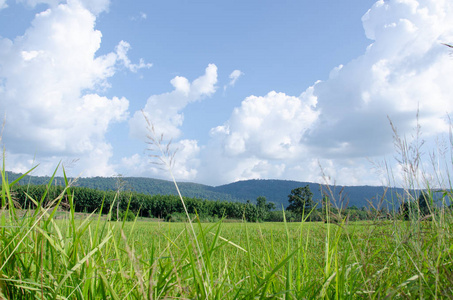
[(417, 205), (143, 205), (170, 208)]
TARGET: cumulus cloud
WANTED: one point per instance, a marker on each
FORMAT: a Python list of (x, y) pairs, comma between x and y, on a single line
[(185, 162), (164, 111), (48, 83), (405, 69), (260, 139), (269, 127), (342, 121)]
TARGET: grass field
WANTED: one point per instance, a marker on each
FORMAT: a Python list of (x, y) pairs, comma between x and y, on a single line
[(72, 258)]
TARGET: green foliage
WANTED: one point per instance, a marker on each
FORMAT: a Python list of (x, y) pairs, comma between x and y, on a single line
[(155, 206), (274, 190), (140, 185), (167, 207), (417, 210), (282, 216), (124, 216), (263, 207), (300, 201), (251, 212), (425, 203)]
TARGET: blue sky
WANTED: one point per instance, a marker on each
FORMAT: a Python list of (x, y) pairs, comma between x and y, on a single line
[(244, 89)]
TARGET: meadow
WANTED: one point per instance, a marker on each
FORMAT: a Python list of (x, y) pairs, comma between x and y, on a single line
[(94, 258)]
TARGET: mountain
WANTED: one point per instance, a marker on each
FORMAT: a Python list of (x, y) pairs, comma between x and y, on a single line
[(136, 184), (276, 191)]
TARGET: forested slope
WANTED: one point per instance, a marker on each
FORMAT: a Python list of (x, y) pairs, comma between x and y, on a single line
[(276, 191)]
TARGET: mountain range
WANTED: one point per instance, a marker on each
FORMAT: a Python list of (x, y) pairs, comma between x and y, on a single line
[(276, 191)]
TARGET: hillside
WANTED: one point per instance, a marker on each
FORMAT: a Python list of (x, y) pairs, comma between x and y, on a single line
[(277, 191), (274, 190), (136, 184)]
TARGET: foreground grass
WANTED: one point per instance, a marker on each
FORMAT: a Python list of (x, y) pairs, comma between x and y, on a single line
[(93, 258)]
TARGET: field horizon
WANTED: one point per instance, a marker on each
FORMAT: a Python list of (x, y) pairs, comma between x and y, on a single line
[(275, 190)]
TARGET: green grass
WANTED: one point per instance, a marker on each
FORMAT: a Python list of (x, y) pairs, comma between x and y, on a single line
[(94, 258)]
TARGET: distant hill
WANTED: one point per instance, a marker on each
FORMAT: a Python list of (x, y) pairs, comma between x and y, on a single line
[(276, 191), (136, 184)]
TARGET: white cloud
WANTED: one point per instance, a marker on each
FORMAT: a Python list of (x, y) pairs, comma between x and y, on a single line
[(236, 170), (33, 3), (3, 4), (164, 111), (406, 67), (121, 51), (234, 76), (260, 140), (94, 6), (185, 162), (343, 120), (269, 127), (141, 16), (48, 83)]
